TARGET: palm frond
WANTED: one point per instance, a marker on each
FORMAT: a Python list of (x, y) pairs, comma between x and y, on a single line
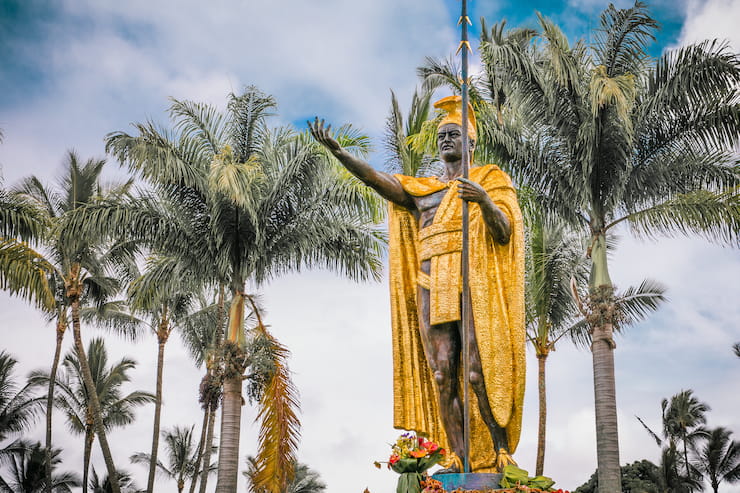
[(622, 37), (715, 216), (24, 272), (637, 303), (279, 428)]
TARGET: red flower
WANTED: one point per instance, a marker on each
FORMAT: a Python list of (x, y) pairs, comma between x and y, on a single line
[(431, 446), (393, 459)]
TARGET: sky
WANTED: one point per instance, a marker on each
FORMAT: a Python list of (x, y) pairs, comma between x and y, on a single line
[(73, 71)]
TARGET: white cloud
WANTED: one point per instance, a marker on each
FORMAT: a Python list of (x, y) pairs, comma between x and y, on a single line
[(712, 19)]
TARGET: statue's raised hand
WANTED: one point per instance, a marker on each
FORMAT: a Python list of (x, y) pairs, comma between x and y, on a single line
[(323, 135)]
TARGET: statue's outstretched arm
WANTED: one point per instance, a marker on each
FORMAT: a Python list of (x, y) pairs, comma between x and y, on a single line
[(385, 184)]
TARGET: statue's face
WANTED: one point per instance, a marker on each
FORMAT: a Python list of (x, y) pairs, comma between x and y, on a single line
[(450, 142)]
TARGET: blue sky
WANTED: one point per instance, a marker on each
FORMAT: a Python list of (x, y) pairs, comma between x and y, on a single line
[(70, 72)]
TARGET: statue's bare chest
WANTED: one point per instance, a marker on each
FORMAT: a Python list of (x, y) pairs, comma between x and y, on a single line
[(427, 205)]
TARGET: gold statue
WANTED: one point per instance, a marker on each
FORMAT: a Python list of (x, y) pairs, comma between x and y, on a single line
[(426, 285)]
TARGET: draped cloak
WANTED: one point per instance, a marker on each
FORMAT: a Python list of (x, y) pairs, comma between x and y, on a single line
[(497, 294)]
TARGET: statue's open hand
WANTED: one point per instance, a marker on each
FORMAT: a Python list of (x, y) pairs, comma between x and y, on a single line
[(323, 134), (470, 191)]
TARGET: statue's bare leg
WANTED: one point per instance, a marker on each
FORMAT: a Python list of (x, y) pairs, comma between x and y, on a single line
[(498, 434), (442, 349)]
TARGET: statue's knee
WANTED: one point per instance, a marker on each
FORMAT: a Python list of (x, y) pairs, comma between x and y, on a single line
[(476, 379), (440, 377)]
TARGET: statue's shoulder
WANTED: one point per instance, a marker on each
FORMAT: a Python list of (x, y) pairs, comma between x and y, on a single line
[(418, 187), (490, 176)]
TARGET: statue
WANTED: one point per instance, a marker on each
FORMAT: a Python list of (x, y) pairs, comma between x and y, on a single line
[(426, 286)]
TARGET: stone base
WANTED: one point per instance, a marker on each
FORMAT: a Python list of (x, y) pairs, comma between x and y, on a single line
[(469, 481)]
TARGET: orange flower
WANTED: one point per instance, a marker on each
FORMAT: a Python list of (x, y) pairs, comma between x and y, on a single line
[(418, 453)]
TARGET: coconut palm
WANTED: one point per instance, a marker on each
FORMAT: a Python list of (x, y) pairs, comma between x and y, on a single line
[(719, 458), (554, 256), (240, 202), (202, 341), (78, 267), (166, 294), (181, 454), (608, 136), (27, 470), (683, 417), (736, 349), (18, 406), (23, 270), (73, 395), (306, 480), (103, 484)]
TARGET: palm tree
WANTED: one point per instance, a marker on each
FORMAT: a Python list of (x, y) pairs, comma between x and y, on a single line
[(181, 454), (103, 484), (683, 417), (23, 270), (719, 458), (202, 341), (306, 480), (239, 202), (736, 349), (78, 276), (165, 293), (74, 397), (27, 470), (554, 256), (607, 136), (18, 406), (403, 156)]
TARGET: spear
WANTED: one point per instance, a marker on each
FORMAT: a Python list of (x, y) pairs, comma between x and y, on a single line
[(466, 312)]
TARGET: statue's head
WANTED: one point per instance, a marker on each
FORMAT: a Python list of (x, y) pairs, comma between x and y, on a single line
[(449, 130)]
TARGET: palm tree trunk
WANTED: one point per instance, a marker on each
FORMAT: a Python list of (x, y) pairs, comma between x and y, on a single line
[(205, 465), (542, 426), (61, 327), (157, 414), (93, 397), (602, 350), (89, 438), (686, 456), (231, 408), (201, 445), (212, 405), (228, 458)]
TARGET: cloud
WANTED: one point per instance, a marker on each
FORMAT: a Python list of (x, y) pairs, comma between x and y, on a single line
[(712, 19)]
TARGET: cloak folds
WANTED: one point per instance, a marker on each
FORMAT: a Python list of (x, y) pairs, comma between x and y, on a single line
[(497, 293)]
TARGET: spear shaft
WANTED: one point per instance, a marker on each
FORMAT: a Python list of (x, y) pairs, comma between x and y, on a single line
[(466, 312)]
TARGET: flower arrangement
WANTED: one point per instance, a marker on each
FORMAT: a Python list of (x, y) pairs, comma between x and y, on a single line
[(410, 457)]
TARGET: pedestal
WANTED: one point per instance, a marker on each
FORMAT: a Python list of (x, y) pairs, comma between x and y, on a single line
[(469, 481)]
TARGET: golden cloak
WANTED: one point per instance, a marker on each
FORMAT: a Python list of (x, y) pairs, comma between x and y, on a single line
[(497, 293)]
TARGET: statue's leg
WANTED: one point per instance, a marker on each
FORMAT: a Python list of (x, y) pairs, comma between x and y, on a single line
[(498, 434), (442, 349)]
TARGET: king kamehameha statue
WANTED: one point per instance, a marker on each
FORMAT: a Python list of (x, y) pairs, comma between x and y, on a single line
[(425, 229)]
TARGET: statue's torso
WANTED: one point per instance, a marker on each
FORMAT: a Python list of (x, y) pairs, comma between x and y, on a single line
[(426, 208)]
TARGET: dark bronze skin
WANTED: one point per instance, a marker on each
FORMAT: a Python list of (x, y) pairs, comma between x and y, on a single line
[(442, 342)]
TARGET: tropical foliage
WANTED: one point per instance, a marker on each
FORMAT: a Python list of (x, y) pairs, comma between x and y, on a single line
[(26, 470), (73, 396), (182, 458)]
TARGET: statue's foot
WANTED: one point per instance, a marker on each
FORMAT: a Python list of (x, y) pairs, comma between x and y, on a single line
[(504, 459)]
